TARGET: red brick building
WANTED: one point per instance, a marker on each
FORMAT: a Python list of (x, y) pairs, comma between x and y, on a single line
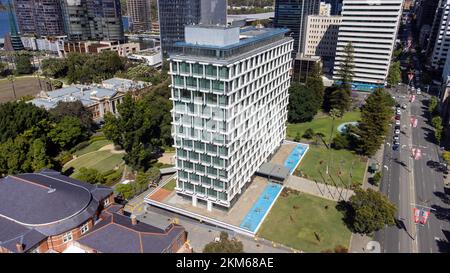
[(47, 211)]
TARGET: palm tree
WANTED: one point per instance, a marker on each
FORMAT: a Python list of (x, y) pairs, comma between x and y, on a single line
[(334, 114), (12, 79)]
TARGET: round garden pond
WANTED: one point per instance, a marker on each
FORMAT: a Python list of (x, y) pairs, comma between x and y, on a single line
[(343, 127)]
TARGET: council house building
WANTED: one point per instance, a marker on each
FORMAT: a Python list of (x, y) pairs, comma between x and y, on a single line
[(230, 97)]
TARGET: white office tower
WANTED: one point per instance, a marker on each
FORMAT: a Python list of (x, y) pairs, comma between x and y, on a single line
[(442, 42), (371, 26), (230, 97)]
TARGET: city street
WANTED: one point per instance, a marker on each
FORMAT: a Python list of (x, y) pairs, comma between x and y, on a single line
[(411, 183)]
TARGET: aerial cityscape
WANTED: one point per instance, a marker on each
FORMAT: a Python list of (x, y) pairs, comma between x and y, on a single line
[(224, 126)]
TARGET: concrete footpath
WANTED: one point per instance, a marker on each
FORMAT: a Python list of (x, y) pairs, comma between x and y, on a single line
[(318, 189)]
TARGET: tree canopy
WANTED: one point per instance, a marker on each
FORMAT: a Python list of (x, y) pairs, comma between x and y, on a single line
[(395, 74), (370, 211), (224, 245), (142, 128), (23, 64)]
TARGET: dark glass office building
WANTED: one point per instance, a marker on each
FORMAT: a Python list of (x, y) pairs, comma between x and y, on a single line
[(92, 20), (174, 15), (336, 6), (39, 17), (293, 14)]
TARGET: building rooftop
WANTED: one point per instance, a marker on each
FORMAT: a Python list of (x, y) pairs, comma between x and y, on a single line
[(45, 203), (87, 95), (249, 40), (117, 234)]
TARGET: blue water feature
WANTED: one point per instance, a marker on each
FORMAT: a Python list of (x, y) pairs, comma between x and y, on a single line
[(261, 206), (295, 156)]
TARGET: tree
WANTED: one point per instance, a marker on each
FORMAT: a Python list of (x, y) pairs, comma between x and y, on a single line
[(438, 128), (54, 67), (375, 118), (72, 109), (17, 117), (40, 158), (302, 104), (68, 132), (12, 79), (23, 64), (395, 74), (432, 106), (341, 99), (446, 156), (376, 178), (124, 190), (370, 211), (224, 245), (142, 128), (90, 175), (144, 178), (345, 72), (309, 133)]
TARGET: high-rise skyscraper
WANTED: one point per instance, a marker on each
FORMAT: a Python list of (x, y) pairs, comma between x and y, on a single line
[(12, 40), (336, 6), (293, 14), (213, 12), (39, 17), (92, 19), (139, 12), (175, 14), (441, 43), (371, 27), (230, 97)]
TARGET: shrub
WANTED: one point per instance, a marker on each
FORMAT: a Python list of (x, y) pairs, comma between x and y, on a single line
[(376, 178), (340, 142), (309, 133)]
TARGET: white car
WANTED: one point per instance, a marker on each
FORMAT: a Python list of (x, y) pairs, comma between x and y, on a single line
[(399, 112), (397, 122), (419, 91), (397, 132), (396, 137)]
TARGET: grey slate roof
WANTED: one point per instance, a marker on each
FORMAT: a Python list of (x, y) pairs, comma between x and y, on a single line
[(44, 204), (116, 234)]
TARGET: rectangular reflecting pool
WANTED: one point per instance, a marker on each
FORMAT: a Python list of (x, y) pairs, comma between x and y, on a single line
[(261, 207), (296, 155)]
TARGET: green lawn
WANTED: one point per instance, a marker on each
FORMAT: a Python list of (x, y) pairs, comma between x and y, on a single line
[(94, 146), (321, 124), (351, 166), (102, 161), (170, 186), (295, 218)]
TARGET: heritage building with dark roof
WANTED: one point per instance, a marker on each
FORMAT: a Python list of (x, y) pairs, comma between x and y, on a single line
[(46, 211)]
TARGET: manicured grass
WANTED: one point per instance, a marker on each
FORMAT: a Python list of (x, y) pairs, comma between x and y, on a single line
[(321, 124), (170, 186), (295, 218), (94, 146), (351, 166), (102, 161)]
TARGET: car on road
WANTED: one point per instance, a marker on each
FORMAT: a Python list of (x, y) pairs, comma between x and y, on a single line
[(424, 216), (396, 137), (397, 122), (419, 91), (397, 132), (416, 215), (397, 127), (395, 145), (397, 117), (399, 112), (404, 106)]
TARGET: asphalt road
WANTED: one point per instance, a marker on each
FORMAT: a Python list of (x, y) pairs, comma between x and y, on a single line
[(410, 183)]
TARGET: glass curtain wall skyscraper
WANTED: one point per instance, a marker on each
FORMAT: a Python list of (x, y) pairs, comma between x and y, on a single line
[(93, 20), (39, 17), (293, 14), (174, 15)]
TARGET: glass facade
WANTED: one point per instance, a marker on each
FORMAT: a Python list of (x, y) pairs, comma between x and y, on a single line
[(293, 14), (39, 17)]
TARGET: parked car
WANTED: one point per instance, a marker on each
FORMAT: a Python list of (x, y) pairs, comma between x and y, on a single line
[(404, 106), (399, 112), (397, 117), (397, 127), (397, 132), (416, 215), (396, 137), (397, 122)]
